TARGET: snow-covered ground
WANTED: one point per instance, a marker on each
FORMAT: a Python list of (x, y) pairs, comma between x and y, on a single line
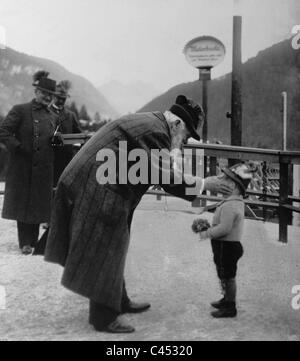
[(168, 267)]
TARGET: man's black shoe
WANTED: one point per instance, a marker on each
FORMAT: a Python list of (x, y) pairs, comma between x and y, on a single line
[(27, 250), (116, 326), (133, 307)]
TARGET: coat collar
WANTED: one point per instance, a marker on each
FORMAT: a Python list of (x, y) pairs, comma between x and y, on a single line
[(161, 116)]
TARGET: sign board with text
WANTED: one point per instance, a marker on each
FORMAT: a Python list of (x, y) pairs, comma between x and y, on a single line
[(204, 52)]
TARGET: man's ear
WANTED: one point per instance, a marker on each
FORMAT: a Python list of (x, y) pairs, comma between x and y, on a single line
[(178, 123), (175, 125)]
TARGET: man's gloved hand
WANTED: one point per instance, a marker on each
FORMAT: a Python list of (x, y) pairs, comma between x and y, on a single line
[(216, 185), (57, 140)]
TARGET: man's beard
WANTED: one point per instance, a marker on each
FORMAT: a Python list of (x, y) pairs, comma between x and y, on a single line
[(177, 153), (44, 101), (177, 142)]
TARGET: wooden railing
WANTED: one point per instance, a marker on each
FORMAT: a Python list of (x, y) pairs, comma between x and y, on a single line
[(283, 201)]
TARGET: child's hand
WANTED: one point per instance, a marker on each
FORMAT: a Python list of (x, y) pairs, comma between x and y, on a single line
[(200, 225), (203, 236)]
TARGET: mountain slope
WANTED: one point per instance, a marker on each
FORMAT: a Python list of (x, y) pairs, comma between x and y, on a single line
[(16, 70), (265, 77)]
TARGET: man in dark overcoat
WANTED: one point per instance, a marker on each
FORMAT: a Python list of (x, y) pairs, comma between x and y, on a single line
[(67, 124), (90, 226), (27, 132)]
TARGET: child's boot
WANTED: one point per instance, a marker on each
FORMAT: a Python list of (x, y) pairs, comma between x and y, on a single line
[(227, 307), (227, 310), (220, 303)]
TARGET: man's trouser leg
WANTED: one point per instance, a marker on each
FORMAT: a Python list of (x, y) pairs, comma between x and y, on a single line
[(125, 299), (28, 234), (101, 316)]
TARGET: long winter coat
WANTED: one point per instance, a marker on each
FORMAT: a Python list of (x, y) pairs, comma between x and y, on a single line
[(68, 124), (27, 131), (90, 227)]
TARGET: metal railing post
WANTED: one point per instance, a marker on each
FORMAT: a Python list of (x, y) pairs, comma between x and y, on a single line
[(283, 198)]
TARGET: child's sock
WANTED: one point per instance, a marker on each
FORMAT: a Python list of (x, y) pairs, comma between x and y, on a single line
[(230, 290)]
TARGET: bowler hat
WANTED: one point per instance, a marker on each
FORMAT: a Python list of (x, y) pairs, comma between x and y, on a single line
[(190, 112)]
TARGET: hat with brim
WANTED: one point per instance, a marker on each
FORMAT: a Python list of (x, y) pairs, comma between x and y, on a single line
[(190, 112), (63, 88), (61, 94), (46, 85), (237, 179), (241, 174)]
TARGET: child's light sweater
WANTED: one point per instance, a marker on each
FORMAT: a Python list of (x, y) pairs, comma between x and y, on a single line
[(228, 220)]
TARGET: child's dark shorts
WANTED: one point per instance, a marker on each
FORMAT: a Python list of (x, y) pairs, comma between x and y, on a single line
[(226, 257)]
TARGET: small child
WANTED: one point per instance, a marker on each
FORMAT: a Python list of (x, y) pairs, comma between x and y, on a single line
[(226, 234)]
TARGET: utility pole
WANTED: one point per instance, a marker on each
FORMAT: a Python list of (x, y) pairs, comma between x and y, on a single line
[(290, 167), (205, 77), (236, 100), (284, 120), (236, 103)]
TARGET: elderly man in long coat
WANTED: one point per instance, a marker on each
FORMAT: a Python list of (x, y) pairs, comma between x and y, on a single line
[(90, 227), (27, 131), (67, 123)]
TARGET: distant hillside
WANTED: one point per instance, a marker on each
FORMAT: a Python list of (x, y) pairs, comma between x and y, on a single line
[(265, 77), (127, 98), (16, 70)]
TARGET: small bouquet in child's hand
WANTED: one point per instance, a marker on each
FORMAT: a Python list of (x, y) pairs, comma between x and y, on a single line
[(200, 225)]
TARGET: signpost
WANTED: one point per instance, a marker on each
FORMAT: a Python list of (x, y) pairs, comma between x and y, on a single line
[(204, 53)]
